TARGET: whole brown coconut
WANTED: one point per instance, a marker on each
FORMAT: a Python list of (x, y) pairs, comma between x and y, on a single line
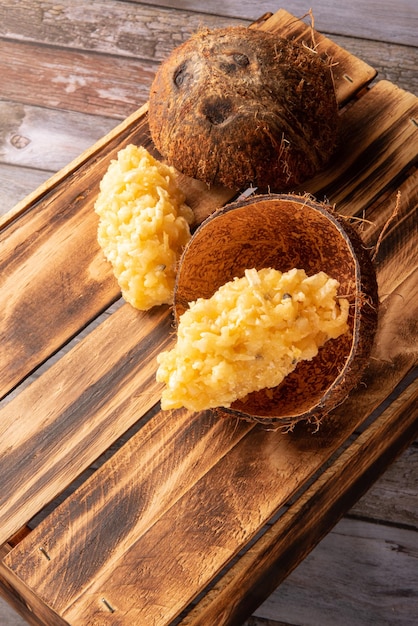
[(236, 106), (285, 232)]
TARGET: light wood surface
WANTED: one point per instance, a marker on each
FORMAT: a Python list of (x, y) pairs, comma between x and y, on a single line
[(103, 61)]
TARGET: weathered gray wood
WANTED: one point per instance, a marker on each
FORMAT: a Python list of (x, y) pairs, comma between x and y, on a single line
[(360, 574), (395, 21), (73, 74), (254, 620), (9, 617), (394, 497), (27, 133), (77, 81), (112, 27), (89, 83), (395, 63), (46, 139), (16, 182)]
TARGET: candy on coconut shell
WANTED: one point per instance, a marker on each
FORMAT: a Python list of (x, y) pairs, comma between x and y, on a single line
[(237, 106), (285, 232)]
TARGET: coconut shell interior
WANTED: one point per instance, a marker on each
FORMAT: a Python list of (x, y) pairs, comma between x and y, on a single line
[(285, 232)]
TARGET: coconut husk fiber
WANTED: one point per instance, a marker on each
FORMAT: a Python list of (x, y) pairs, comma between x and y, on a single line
[(236, 107)]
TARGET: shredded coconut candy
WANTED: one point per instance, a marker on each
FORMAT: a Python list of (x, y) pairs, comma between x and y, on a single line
[(248, 336), (143, 227)]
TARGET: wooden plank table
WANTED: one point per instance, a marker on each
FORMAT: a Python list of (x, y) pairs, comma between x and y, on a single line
[(184, 506)]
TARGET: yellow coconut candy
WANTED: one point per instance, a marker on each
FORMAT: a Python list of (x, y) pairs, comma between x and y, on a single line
[(248, 336), (143, 227)]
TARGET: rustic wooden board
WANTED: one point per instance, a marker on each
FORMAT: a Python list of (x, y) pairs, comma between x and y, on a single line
[(174, 502), (350, 73), (156, 491), (57, 324), (372, 574), (395, 63), (354, 560), (379, 139), (365, 567), (128, 58), (27, 144), (49, 139), (394, 498), (65, 205), (78, 407), (79, 78), (256, 574)]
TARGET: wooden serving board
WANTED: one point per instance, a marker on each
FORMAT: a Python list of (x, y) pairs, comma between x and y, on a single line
[(193, 519)]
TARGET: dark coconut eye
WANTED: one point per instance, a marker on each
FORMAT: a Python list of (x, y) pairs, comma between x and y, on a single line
[(233, 61), (217, 110), (241, 59), (180, 75), (228, 68)]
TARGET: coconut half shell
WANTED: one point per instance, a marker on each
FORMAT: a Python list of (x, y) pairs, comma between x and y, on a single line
[(285, 232)]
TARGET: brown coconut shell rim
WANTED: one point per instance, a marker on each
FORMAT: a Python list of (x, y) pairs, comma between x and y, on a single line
[(364, 316)]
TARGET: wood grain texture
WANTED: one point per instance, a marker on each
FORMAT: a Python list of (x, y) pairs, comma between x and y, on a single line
[(371, 569), (394, 498), (397, 22), (393, 62), (16, 613), (378, 137), (126, 59), (31, 238), (212, 529), (83, 75), (65, 206), (26, 324), (89, 83), (350, 74), (112, 27), (259, 570), (24, 142), (358, 162), (59, 429), (254, 453), (69, 67), (71, 168), (62, 422), (16, 181), (10, 617)]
